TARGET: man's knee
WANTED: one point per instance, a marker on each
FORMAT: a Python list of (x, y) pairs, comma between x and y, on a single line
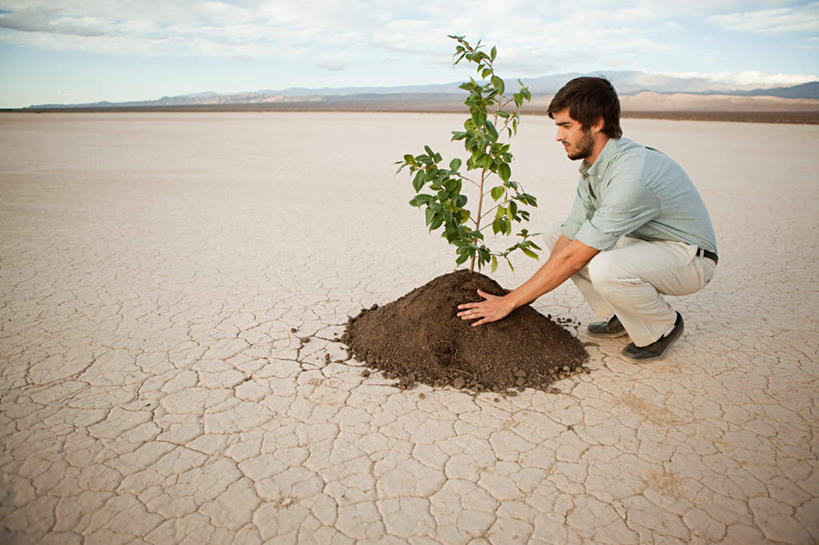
[(605, 273)]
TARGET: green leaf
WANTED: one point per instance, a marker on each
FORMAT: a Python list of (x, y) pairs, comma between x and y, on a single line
[(502, 224), (419, 200), (429, 151), (494, 263), (462, 259), (504, 171), (451, 232), (418, 181), (486, 72), (492, 55), (528, 252), (498, 84), (490, 128), (437, 220), (476, 117), (497, 192), (455, 164)]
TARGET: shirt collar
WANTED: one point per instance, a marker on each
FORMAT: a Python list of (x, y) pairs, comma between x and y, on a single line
[(598, 169)]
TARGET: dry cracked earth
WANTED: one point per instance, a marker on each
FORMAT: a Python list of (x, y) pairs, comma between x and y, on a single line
[(172, 285)]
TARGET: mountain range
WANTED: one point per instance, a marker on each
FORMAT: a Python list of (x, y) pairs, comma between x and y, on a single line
[(627, 83)]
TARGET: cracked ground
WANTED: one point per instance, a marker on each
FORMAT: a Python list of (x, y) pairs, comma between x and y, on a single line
[(173, 287)]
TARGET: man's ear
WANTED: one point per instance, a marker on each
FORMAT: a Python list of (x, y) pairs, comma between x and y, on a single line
[(598, 125)]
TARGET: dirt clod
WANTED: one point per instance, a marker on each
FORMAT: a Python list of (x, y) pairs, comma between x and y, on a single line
[(418, 337)]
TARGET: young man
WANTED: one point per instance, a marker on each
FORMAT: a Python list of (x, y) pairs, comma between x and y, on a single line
[(638, 229)]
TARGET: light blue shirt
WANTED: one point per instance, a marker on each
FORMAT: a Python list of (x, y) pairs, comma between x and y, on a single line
[(640, 192)]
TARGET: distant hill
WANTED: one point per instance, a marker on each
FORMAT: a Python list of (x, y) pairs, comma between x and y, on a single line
[(806, 90), (626, 82)]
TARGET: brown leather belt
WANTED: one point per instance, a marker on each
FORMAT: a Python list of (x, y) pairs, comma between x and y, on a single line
[(702, 252)]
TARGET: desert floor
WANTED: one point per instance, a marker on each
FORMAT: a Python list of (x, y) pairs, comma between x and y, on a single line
[(157, 272)]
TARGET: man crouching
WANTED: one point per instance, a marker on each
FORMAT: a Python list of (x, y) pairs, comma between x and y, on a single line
[(638, 230)]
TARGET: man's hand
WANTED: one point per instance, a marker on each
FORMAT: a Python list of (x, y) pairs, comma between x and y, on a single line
[(491, 309), (567, 257)]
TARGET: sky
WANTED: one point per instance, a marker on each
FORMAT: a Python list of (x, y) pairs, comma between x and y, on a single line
[(76, 51)]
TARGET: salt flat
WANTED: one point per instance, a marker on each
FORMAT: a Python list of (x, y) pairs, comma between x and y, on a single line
[(160, 272)]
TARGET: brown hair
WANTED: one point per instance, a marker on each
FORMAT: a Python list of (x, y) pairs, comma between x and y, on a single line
[(588, 99)]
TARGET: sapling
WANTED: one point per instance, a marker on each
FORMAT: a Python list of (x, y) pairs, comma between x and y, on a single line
[(493, 119)]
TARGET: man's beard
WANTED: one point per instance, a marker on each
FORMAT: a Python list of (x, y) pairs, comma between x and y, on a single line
[(585, 147)]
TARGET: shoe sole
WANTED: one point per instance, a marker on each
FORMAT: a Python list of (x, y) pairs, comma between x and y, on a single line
[(644, 360), (607, 335)]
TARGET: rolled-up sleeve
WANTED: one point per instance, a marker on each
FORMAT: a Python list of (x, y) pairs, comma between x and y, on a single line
[(627, 205), (578, 215)]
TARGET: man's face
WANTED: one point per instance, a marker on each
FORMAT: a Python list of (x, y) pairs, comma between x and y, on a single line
[(578, 143)]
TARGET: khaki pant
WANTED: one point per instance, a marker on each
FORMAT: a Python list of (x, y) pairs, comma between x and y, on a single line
[(630, 279)]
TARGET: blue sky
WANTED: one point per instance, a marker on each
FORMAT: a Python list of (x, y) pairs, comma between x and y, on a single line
[(91, 50)]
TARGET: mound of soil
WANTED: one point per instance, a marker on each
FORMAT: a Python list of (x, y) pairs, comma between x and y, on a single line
[(419, 338)]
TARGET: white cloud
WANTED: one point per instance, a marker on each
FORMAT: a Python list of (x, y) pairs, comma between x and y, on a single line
[(44, 19), (534, 38), (256, 27), (772, 21), (750, 79), (333, 64)]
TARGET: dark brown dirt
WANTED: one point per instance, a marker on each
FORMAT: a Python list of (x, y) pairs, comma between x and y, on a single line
[(419, 338)]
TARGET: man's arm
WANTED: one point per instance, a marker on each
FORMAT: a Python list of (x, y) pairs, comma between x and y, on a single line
[(567, 257), (560, 245)]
